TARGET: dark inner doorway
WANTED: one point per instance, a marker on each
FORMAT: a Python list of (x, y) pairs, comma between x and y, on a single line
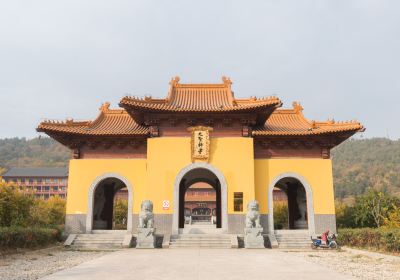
[(107, 194), (193, 177)]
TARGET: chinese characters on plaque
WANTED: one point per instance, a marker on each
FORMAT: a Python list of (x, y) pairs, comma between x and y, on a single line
[(200, 142)]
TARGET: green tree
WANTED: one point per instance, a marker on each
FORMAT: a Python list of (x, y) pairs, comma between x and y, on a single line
[(373, 207)]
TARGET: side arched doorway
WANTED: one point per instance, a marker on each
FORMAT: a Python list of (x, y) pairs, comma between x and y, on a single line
[(290, 204), (109, 204), (190, 176)]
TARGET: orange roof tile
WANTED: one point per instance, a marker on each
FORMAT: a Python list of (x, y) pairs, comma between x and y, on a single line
[(199, 98), (291, 122), (109, 122)]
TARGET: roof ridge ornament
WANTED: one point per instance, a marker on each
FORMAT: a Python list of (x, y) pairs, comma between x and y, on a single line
[(297, 107), (227, 81), (105, 107)]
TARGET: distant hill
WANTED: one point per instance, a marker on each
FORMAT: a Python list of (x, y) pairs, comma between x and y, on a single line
[(37, 152), (357, 164)]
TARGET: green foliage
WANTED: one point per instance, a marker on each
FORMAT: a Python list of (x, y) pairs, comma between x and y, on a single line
[(382, 239), (48, 212), (369, 163), (281, 215), (37, 152), (18, 209), (393, 218), (23, 237), (344, 215), (120, 214), (372, 209), (15, 207)]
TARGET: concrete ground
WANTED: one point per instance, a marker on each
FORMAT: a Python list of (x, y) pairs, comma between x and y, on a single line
[(197, 264)]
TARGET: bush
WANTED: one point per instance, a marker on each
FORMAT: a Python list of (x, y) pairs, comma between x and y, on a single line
[(21, 237), (15, 207), (48, 212), (120, 214), (19, 209), (382, 239), (281, 215)]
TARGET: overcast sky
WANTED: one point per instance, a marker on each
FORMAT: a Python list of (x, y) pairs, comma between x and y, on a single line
[(61, 59)]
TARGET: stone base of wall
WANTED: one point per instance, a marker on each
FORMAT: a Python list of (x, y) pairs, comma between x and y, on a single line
[(75, 223), (324, 222), (163, 223), (264, 222), (236, 223)]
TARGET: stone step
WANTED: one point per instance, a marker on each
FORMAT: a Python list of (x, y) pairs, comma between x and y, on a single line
[(293, 239), (183, 238), (78, 242), (98, 241), (201, 242), (176, 246)]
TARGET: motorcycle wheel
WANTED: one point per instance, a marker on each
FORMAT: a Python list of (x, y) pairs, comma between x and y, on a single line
[(333, 245)]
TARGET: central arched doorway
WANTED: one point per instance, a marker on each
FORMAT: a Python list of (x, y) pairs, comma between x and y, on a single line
[(206, 177), (200, 202)]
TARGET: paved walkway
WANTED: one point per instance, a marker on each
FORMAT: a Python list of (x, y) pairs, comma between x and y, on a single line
[(201, 264)]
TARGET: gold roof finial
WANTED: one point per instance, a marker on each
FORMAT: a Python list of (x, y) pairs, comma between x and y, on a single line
[(297, 107), (105, 106), (175, 81), (227, 81)]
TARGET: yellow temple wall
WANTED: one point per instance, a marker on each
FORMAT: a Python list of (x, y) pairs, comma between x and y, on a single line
[(317, 172), (167, 156), (153, 178), (83, 172)]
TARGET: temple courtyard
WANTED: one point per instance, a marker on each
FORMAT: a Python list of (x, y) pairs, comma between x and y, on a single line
[(57, 263)]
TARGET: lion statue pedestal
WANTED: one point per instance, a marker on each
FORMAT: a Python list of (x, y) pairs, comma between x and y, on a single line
[(146, 231), (253, 238)]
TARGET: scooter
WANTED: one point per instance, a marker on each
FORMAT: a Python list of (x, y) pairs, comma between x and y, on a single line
[(330, 242)]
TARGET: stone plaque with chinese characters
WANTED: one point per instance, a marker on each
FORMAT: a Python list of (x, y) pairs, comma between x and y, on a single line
[(200, 142)]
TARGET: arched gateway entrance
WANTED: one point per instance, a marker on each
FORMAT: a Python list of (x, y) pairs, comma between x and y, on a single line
[(187, 177), (101, 200), (298, 198)]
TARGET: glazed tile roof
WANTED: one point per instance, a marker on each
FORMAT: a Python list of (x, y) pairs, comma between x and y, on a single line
[(109, 122), (291, 122), (199, 98)]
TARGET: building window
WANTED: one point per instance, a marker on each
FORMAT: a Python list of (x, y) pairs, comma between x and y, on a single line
[(39, 180), (55, 188), (46, 188), (238, 202), (22, 180), (48, 180), (38, 188)]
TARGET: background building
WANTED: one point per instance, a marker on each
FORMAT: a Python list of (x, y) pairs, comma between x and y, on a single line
[(42, 182)]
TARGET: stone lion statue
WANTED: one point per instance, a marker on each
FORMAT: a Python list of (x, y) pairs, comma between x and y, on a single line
[(146, 216), (253, 215)]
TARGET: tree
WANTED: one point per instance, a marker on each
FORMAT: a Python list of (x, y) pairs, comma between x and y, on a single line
[(393, 219), (373, 207)]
